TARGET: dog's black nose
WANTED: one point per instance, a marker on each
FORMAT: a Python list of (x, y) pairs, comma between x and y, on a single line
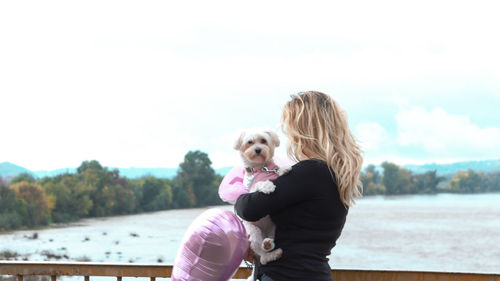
[(258, 150)]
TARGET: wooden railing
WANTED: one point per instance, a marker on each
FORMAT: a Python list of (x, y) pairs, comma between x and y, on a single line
[(87, 270)]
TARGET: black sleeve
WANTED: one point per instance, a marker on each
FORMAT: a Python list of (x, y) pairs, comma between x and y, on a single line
[(290, 189)]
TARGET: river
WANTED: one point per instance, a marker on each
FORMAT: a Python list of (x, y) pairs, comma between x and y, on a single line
[(445, 232)]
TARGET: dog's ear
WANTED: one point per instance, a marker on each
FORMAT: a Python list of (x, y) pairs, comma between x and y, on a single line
[(275, 140), (239, 141)]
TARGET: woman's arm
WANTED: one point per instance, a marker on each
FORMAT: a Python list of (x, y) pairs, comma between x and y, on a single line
[(292, 188)]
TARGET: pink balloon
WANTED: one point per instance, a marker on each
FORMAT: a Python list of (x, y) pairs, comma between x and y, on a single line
[(212, 248)]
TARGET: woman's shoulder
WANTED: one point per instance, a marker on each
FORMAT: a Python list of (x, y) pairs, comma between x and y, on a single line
[(311, 166), (311, 163), (314, 168)]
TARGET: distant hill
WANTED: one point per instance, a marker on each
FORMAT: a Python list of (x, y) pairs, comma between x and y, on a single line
[(53, 173), (452, 168), (131, 173), (134, 173), (223, 171), (11, 170)]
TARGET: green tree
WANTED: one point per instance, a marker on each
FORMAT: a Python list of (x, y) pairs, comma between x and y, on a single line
[(7, 198), (92, 164), (183, 197), (376, 178), (72, 197), (152, 187), (491, 182), (124, 198), (164, 199), (135, 185), (197, 178), (100, 181), (390, 179), (9, 217), (156, 194), (23, 177), (126, 201), (427, 182), (397, 180), (104, 201)]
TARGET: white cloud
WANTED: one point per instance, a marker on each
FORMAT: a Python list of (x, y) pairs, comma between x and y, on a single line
[(446, 135), (371, 136)]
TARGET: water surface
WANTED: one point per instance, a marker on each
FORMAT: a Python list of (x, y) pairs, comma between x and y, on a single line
[(445, 232)]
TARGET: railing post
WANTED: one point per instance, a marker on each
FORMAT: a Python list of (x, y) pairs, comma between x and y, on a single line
[(20, 278), (53, 278), (87, 278)]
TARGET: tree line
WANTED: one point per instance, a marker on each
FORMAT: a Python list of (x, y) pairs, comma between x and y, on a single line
[(96, 191), (396, 180)]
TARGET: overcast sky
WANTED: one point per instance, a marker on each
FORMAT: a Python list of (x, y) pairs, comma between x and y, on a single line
[(140, 83)]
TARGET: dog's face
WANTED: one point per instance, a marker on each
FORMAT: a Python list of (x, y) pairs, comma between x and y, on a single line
[(257, 146)]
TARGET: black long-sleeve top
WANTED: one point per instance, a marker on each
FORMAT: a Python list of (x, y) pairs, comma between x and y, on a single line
[(309, 218)]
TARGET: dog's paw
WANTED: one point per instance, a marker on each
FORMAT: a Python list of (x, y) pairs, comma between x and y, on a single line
[(267, 244), (271, 256), (284, 170), (265, 187)]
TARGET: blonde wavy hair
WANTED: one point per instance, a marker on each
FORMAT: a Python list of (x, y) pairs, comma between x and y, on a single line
[(317, 128)]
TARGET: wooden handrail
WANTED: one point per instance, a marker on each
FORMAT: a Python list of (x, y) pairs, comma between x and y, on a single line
[(119, 270)]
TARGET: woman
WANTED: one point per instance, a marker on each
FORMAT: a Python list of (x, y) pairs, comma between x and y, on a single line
[(310, 204)]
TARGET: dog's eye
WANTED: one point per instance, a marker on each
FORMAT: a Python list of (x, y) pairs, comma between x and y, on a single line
[(250, 142), (263, 141)]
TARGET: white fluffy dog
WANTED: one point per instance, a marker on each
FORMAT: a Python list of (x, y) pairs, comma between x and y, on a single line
[(256, 148)]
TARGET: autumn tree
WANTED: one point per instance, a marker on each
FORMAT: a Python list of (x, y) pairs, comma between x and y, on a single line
[(36, 206), (466, 181), (404, 183), (371, 181)]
